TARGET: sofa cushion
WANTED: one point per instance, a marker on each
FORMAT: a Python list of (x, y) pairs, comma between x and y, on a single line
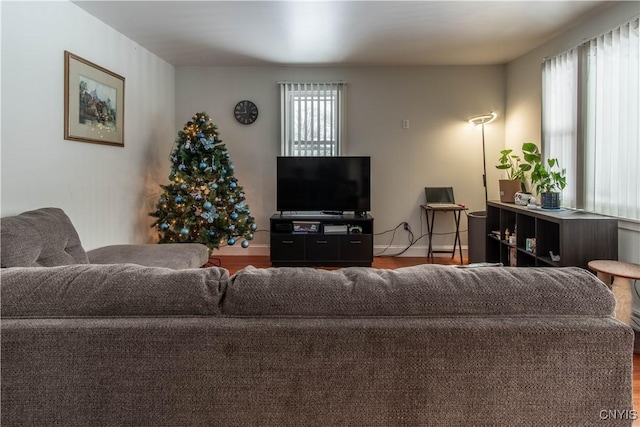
[(44, 237), (426, 290), (169, 255), (110, 290)]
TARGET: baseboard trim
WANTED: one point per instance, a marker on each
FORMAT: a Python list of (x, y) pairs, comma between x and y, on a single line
[(417, 251)]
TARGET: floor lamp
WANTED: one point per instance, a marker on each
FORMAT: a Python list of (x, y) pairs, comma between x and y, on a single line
[(483, 120), (477, 220)]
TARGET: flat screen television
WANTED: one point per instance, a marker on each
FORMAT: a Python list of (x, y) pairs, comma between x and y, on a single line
[(334, 184)]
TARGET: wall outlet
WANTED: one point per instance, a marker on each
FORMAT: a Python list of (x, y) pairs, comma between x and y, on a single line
[(405, 124)]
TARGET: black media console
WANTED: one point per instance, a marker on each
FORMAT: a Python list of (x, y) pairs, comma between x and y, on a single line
[(321, 240)]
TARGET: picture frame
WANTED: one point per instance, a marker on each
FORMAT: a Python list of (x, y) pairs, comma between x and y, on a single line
[(93, 102)]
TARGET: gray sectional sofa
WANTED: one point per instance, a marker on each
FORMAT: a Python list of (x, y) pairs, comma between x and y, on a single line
[(129, 345), (46, 237)]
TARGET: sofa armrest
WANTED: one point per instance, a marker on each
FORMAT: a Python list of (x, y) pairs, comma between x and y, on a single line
[(177, 256)]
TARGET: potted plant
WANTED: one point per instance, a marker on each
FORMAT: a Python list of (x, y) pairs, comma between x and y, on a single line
[(515, 182), (549, 180)]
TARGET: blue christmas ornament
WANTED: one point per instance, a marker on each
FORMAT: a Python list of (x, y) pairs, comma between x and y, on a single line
[(250, 236), (212, 233), (234, 216), (231, 241), (233, 185), (164, 226), (231, 227), (200, 135), (183, 187), (202, 165), (220, 180), (198, 197), (227, 155), (213, 185), (231, 166), (182, 167), (178, 199), (207, 143), (202, 120), (231, 200), (184, 231), (253, 226), (241, 196), (207, 205), (223, 171), (245, 244)]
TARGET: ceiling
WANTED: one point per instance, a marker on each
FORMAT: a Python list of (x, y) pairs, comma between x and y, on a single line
[(204, 33)]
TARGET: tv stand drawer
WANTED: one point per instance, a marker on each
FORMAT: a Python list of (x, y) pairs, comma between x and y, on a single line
[(287, 247), (356, 247), (322, 247)]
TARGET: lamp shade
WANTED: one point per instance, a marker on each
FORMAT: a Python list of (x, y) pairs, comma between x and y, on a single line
[(483, 119)]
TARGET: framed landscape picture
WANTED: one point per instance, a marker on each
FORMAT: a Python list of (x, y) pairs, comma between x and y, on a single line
[(93, 102)]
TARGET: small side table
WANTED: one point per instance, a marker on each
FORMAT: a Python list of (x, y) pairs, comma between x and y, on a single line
[(457, 211), (622, 273)]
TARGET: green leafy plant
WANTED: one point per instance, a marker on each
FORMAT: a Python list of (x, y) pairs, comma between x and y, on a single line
[(511, 164), (532, 154), (515, 166), (549, 178)]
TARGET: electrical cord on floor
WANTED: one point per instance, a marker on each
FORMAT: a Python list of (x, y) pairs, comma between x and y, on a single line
[(412, 239)]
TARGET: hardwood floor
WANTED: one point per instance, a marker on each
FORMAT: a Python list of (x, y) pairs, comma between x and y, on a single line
[(235, 263)]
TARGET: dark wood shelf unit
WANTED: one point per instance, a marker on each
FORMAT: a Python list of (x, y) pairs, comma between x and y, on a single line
[(577, 236), (292, 249)]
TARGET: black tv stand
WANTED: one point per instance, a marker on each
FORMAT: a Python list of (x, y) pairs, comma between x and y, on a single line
[(331, 212), (342, 240)]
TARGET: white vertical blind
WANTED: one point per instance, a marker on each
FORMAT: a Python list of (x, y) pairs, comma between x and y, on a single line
[(612, 130), (312, 119), (560, 117)]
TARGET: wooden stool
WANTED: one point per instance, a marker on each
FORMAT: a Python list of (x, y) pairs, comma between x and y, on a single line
[(622, 273)]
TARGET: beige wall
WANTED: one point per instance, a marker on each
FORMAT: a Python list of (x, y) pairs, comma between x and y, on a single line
[(107, 191), (439, 149)]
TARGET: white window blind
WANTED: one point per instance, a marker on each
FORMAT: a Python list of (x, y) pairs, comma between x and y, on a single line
[(312, 118), (612, 125), (590, 111), (560, 117)]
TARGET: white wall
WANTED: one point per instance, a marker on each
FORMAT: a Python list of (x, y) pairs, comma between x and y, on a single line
[(439, 149), (107, 191), (524, 95)]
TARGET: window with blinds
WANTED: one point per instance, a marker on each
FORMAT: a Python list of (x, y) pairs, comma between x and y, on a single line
[(312, 119), (590, 110)]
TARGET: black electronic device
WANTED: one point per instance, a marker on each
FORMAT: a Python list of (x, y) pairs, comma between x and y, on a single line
[(324, 184), (284, 227), (355, 229)]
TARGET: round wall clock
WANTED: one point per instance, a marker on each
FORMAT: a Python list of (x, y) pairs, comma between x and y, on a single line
[(246, 112)]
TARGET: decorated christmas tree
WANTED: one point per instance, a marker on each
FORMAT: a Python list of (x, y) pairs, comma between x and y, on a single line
[(204, 202)]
